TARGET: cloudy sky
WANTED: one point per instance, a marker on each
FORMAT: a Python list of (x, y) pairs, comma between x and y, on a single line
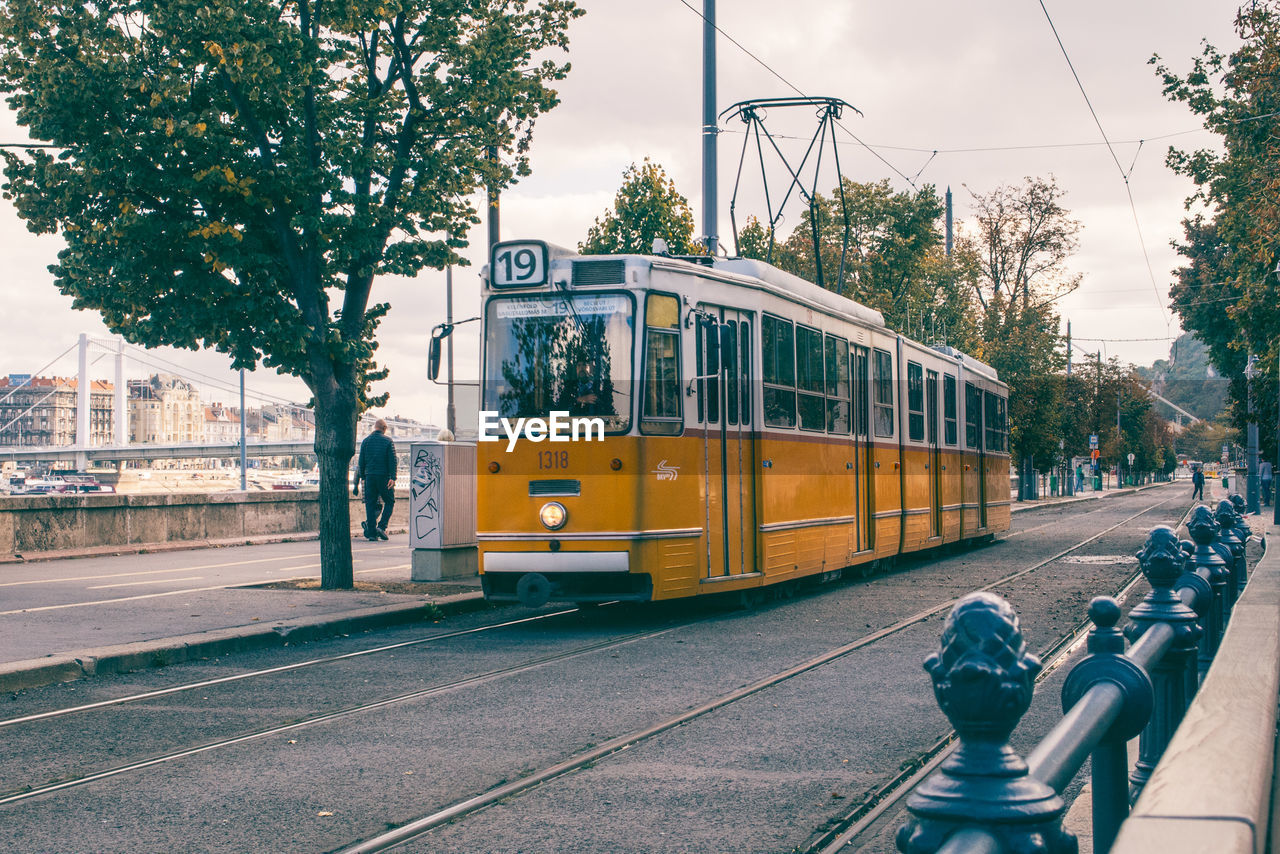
[(983, 83)]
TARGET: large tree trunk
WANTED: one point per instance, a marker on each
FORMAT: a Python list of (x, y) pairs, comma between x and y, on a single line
[(335, 445)]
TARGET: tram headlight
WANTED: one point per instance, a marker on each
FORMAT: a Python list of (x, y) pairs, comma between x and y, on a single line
[(553, 515)]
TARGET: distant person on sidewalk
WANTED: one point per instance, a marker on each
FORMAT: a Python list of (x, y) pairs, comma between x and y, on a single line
[(377, 467), (1079, 478), (1265, 474), (1197, 483)]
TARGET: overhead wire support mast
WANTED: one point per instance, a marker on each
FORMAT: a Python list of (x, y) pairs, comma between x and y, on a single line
[(752, 114)]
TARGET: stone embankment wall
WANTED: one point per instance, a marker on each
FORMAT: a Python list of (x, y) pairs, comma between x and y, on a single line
[(41, 524)]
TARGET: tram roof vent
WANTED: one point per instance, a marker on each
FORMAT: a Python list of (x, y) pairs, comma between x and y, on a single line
[(610, 272)]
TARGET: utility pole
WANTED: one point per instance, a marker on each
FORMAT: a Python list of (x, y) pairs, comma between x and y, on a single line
[(82, 406), (1252, 492), (950, 232), (244, 474), (1068, 346), (450, 417), (709, 129)]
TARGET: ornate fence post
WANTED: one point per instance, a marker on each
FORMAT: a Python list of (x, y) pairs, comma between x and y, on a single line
[(1245, 533), (1162, 561), (1196, 593), (1109, 761), (983, 678), (1204, 530), (1228, 537)]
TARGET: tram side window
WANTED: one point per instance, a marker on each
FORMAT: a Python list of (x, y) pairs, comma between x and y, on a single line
[(972, 414), (950, 434), (837, 361), (809, 378), (861, 419), (662, 414), (884, 393), (729, 360), (709, 386), (744, 369), (915, 402), (997, 435), (778, 342)]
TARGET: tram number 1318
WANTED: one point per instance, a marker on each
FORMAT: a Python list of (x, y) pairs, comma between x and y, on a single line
[(553, 460)]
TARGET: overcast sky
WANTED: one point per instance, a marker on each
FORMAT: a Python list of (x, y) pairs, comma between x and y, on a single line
[(928, 75)]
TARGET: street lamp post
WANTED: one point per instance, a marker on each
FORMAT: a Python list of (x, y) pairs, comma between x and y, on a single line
[(1251, 461)]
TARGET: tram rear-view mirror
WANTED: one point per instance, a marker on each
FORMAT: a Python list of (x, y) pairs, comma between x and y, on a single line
[(433, 358)]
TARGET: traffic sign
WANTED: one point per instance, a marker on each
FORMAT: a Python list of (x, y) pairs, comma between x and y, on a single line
[(1095, 454), (1131, 459), (1093, 440)]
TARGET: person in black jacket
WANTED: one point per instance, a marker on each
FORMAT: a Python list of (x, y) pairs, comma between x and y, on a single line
[(377, 466)]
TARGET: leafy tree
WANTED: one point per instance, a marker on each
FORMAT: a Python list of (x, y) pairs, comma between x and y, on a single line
[(236, 173), (1229, 293), (1024, 237), (647, 206)]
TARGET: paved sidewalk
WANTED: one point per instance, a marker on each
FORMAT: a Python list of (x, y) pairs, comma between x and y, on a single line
[(120, 632)]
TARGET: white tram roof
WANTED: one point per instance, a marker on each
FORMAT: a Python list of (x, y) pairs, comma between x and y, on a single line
[(970, 363), (800, 287), (779, 279)]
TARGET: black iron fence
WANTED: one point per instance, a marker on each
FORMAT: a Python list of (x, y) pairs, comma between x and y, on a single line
[(986, 798)]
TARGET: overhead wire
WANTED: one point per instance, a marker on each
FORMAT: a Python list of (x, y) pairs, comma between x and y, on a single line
[(1128, 189)]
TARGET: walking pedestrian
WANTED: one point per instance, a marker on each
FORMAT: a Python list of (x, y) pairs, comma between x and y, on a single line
[(377, 467), (1079, 478), (1197, 483), (1265, 474)]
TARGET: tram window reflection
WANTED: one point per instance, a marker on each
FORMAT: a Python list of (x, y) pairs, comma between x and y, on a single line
[(545, 354)]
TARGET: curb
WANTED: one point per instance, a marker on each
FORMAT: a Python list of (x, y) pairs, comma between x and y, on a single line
[(143, 655), (175, 546)]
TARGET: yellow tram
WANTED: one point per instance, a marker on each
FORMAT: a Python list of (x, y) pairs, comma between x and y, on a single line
[(740, 427)]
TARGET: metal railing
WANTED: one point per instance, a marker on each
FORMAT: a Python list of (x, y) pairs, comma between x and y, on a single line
[(986, 798)]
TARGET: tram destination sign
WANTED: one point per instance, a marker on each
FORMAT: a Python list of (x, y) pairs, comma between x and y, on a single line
[(536, 307)]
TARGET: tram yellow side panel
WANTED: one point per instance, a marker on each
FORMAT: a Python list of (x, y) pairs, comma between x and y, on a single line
[(672, 564), (999, 510), (951, 495), (970, 493), (804, 481), (887, 500), (918, 499)]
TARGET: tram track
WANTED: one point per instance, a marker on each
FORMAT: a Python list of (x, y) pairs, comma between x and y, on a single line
[(417, 827)]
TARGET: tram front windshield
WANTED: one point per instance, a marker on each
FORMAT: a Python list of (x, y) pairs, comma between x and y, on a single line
[(566, 353)]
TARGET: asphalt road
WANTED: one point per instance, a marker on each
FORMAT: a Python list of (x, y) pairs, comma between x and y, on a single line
[(761, 774)]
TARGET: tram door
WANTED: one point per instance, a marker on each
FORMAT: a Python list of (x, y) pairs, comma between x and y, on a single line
[(934, 463), (862, 473), (729, 453)]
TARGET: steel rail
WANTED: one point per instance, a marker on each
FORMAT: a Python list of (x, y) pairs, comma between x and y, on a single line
[(284, 668), (419, 826)]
